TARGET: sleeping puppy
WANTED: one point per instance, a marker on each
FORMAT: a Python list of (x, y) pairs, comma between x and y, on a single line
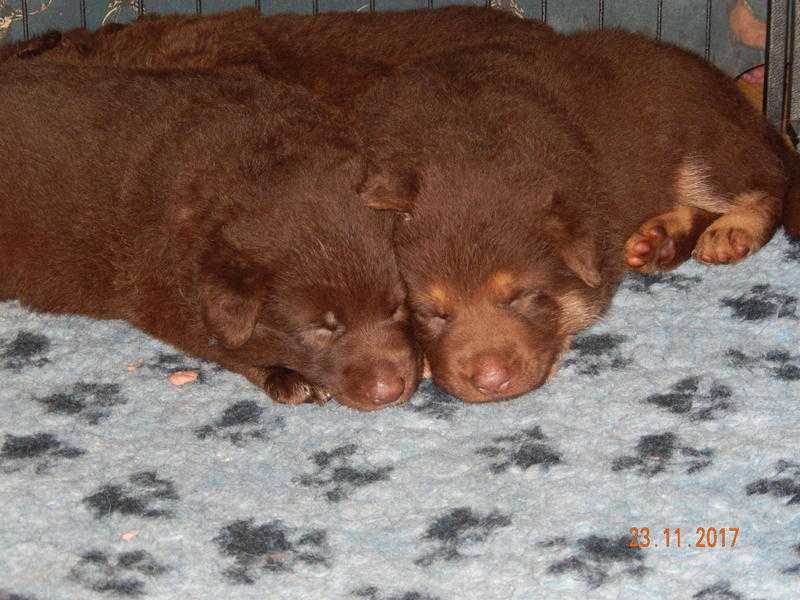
[(521, 176), (216, 213), (337, 56)]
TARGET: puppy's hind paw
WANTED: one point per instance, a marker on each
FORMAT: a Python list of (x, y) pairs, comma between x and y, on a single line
[(650, 249), (723, 245), (665, 241)]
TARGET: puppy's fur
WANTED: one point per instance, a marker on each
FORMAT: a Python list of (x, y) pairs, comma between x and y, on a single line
[(216, 213), (337, 56), (523, 174)]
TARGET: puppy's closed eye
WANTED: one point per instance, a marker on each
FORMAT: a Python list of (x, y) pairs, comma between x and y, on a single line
[(524, 301), (434, 322), (325, 331), (400, 312)]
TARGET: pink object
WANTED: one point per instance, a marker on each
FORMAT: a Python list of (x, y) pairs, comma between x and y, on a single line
[(183, 377)]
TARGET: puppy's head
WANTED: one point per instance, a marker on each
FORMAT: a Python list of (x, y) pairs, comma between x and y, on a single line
[(500, 273), (301, 275)]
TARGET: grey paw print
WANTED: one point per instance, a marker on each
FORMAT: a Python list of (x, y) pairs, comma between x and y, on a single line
[(270, 548), (100, 572), (687, 398), (143, 495), (762, 303), (92, 402), (597, 559), (778, 362), (336, 472), (40, 451), (656, 453), (523, 450), (784, 484), (644, 282), (25, 350), (240, 423), (593, 353), (457, 529)]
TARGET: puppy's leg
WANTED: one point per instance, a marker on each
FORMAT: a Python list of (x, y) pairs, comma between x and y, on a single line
[(741, 231), (289, 387), (666, 240)]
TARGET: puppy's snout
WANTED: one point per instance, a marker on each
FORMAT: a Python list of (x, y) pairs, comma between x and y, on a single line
[(386, 387), (490, 374)]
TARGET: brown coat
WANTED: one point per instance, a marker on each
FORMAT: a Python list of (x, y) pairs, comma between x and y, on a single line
[(527, 170), (216, 213), (337, 56)]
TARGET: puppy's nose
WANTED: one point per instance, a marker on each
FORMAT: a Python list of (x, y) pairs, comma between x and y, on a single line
[(387, 388), (491, 376)]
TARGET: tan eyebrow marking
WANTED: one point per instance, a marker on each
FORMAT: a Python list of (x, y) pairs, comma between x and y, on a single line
[(500, 283), (439, 294)]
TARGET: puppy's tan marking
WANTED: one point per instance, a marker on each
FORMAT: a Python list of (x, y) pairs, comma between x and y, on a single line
[(693, 187), (565, 346), (576, 312), (501, 281), (666, 240), (439, 295), (740, 232)]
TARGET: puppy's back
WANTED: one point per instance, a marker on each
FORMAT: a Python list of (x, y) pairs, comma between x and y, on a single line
[(336, 55), (96, 157)]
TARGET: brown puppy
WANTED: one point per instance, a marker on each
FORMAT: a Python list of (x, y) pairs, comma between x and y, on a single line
[(524, 173), (337, 56), (216, 213)]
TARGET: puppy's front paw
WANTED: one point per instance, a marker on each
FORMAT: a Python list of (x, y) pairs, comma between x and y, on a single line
[(722, 245), (289, 387)]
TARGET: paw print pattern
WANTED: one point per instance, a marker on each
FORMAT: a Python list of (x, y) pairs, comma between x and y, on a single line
[(40, 451), (655, 453), (123, 575), (25, 350), (143, 495), (794, 569), (785, 483), (720, 591), (373, 593), (593, 353), (92, 402), (778, 362), (522, 450), (762, 303), (336, 473), (686, 398), (269, 548), (4, 595), (457, 529), (433, 402), (643, 283), (241, 423), (596, 559)]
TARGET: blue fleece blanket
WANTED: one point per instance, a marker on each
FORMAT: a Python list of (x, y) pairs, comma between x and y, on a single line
[(661, 462)]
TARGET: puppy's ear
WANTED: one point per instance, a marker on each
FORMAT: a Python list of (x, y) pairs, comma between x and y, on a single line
[(228, 295), (575, 243), (390, 190)]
